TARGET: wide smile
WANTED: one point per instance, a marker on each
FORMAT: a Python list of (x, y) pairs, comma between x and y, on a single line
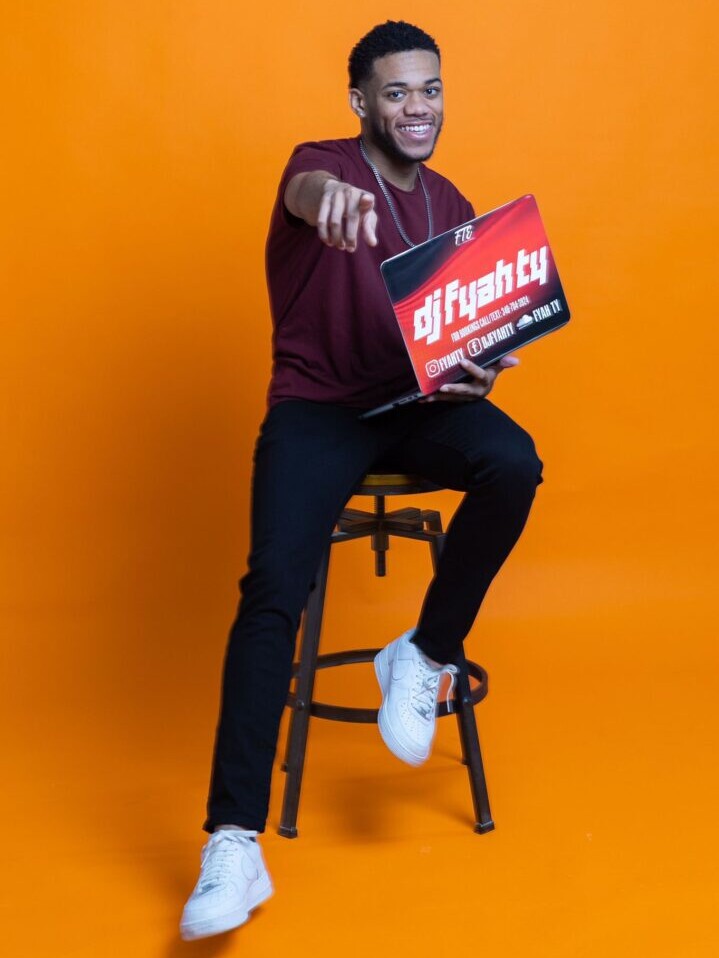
[(416, 132)]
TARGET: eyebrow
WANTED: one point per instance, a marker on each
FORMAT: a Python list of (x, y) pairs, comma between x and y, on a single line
[(405, 85)]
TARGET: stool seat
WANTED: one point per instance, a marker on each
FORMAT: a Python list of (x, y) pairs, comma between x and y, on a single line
[(379, 525), (393, 484)]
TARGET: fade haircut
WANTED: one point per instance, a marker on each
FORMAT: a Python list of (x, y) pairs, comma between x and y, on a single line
[(394, 36)]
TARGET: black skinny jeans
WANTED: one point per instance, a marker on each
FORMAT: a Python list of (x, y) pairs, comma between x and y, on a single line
[(308, 459)]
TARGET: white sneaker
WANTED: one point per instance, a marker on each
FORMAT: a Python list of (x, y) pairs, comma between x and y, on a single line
[(233, 880), (410, 686)]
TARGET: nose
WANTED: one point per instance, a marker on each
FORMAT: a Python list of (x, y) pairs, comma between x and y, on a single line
[(414, 104)]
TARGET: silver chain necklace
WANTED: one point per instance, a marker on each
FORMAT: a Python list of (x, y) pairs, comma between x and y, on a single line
[(390, 201)]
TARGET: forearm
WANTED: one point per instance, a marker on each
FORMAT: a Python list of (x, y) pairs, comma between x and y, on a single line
[(304, 193)]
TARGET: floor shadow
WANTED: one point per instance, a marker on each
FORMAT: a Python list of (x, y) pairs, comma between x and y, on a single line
[(212, 947)]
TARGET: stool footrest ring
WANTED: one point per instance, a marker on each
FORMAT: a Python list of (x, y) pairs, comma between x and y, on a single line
[(342, 713)]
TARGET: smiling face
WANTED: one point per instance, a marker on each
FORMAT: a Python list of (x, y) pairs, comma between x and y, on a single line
[(401, 106)]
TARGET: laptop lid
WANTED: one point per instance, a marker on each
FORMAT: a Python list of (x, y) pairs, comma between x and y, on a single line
[(476, 292)]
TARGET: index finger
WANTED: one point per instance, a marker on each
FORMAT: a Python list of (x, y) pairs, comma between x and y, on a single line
[(368, 218)]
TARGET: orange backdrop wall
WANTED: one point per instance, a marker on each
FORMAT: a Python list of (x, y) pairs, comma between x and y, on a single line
[(142, 147)]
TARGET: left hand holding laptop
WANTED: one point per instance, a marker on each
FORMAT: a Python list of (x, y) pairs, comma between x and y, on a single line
[(479, 385)]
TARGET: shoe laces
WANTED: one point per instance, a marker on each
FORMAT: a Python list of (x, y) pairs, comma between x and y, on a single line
[(423, 694), (220, 854)]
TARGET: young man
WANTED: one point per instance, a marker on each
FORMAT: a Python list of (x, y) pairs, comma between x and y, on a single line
[(343, 206)]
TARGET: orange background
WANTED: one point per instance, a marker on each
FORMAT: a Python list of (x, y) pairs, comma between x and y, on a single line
[(142, 147)]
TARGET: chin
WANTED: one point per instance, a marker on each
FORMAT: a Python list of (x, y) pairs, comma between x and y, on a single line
[(398, 151), (418, 155), (423, 157)]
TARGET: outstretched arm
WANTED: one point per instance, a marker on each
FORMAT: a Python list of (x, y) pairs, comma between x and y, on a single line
[(342, 213)]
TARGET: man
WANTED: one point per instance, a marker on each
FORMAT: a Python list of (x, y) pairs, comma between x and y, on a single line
[(343, 206)]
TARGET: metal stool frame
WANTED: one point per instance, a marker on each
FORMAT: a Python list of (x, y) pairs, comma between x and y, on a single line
[(424, 525)]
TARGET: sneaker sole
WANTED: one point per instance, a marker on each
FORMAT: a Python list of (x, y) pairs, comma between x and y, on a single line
[(382, 671), (204, 927)]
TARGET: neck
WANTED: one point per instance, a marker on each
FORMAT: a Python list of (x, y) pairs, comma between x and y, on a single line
[(397, 172)]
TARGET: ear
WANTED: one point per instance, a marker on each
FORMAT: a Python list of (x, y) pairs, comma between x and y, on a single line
[(357, 102)]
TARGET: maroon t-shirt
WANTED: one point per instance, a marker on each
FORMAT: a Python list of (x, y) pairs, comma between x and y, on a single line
[(335, 335)]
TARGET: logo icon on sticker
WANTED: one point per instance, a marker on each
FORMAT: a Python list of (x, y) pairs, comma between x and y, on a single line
[(524, 321)]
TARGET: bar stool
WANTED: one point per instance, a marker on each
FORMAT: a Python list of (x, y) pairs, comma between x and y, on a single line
[(378, 525)]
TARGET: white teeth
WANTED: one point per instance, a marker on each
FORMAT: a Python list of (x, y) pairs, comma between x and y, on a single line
[(416, 129)]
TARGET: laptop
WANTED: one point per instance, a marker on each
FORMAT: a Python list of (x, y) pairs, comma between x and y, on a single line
[(476, 292)]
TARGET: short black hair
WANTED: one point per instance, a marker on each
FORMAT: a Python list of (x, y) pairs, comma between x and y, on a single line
[(394, 36)]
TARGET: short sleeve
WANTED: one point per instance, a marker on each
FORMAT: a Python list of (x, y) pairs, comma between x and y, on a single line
[(306, 158)]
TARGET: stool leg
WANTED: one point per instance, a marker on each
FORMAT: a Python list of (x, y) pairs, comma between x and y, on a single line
[(299, 721), (471, 752), (436, 544), (380, 539)]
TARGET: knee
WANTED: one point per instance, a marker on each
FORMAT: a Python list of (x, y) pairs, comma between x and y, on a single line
[(525, 462), (514, 463)]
